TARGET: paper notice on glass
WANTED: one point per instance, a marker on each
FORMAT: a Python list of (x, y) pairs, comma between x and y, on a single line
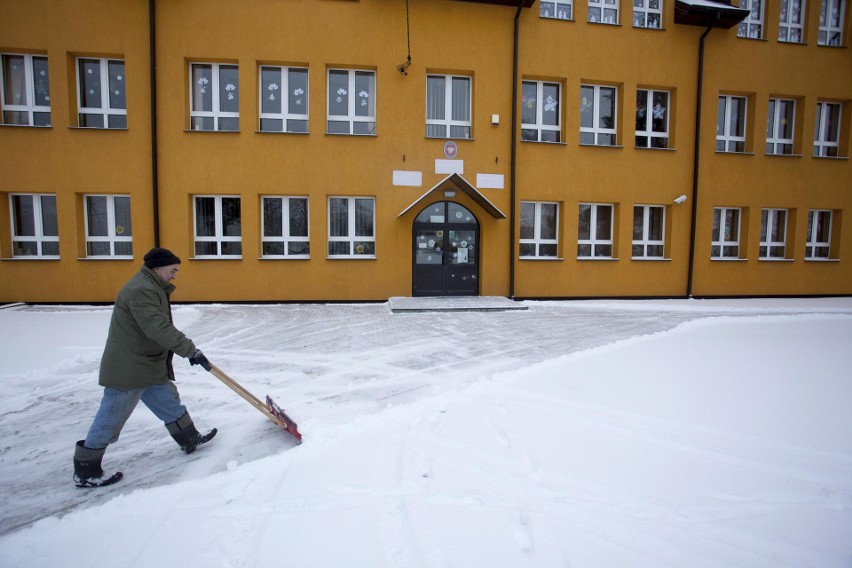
[(462, 256)]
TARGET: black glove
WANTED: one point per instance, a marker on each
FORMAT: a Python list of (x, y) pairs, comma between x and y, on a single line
[(198, 358)]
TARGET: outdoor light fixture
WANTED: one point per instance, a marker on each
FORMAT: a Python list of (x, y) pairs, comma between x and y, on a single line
[(680, 200)]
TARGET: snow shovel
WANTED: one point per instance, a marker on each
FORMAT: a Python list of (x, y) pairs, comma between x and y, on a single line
[(270, 409)]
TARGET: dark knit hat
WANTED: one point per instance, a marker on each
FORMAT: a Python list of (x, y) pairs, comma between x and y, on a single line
[(160, 257)]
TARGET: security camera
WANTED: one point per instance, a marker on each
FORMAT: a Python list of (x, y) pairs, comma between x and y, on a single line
[(680, 199)]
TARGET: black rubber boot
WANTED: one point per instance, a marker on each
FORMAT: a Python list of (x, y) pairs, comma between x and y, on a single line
[(87, 467), (184, 433)]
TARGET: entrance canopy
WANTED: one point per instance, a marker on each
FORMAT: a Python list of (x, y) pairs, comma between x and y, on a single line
[(454, 182), (719, 14)]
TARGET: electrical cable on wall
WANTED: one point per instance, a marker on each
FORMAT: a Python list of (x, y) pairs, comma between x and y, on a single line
[(403, 67)]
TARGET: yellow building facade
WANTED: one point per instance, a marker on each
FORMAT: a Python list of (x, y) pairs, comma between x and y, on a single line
[(325, 150)]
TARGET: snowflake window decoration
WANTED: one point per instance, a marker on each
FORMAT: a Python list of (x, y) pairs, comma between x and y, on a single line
[(550, 104), (659, 111), (586, 105)]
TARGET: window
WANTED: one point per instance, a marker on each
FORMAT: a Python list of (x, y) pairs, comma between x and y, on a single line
[(218, 227), (351, 101), (831, 19), (791, 27), (283, 99), (102, 93), (25, 90), (447, 106), (726, 233), (594, 238), (351, 227), (648, 14), (780, 126), (730, 124), (773, 234), (540, 112), (652, 119), (539, 229), (35, 230), (557, 9), (648, 231), (108, 229), (285, 227), (215, 97), (827, 131), (752, 26), (597, 115), (603, 11), (818, 245)]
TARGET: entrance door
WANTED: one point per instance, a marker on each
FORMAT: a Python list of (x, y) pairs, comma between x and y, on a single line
[(446, 251)]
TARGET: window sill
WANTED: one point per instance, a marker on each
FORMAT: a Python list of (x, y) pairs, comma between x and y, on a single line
[(802, 43), (352, 135), (557, 19), (98, 128), (784, 155), (281, 132), (653, 148), (763, 39), (293, 257), (819, 260), (212, 131), (471, 139), (615, 146), (832, 157), (544, 142), (598, 258), (635, 27), (215, 258), (26, 258), (728, 259), (46, 126), (101, 258), (831, 46), (613, 24), (541, 258), (779, 260), (734, 153), (650, 259), (358, 257)]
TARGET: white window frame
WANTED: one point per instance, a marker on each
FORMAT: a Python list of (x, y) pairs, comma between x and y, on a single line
[(831, 28), (643, 14), (367, 99), (285, 237), (537, 241), (775, 126), (105, 111), (39, 238), (599, 247), (219, 236), (752, 26), (355, 241), (645, 241), (597, 129), (650, 115), (283, 91), (826, 133), (770, 246), (609, 12), (791, 24), (562, 9), (727, 122), (447, 123), (197, 116), (115, 234), (542, 130), (32, 86), (817, 248), (727, 234)]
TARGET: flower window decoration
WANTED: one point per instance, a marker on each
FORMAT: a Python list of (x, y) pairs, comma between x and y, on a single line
[(340, 94), (363, 96)]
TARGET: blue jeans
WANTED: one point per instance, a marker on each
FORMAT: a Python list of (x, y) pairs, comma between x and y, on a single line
[(117, 405)]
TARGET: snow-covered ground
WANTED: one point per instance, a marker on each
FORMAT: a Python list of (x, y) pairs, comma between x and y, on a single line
[(674, 433)]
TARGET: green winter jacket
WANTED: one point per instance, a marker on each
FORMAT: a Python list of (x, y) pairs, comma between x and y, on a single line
[(142, 338)]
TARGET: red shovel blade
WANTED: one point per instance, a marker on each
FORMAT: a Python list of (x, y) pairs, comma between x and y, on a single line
[(288, 422)]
